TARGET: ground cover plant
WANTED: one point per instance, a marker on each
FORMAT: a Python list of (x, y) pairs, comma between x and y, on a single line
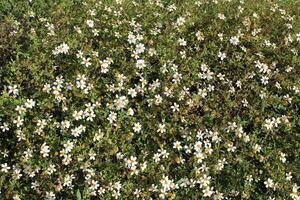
[(149, 99)]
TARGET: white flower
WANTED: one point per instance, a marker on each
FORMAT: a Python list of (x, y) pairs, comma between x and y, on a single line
[(86, 62), (200, 156), (90, 23), (77, 115), (94, 185), (65, 124), (182, 42), (177, 145), (256, 148), (140, 48), (200, 36), (269, 124), (131, 38), (4, 127), (29, 103), (17, 173), (130, 112), (105, 64), (230, 147), (269, 183), (143, 166), (68, 180), (282, 157), (221, 55), (161, 128), (140, 64), (180, 21), (68, 146), (50, 195), (220, 164), (288, 176), (13, 90), (120, 102), (137, 127), (5, 168), (295, 194), (19, 121), (20, 109), (175, 107), (166, 183), (16, 197), (234, 40), (204, 181), (132, 92), (45, 150), (112, 117), (81, 81), (208, 191), (221, 16), (298, 37), (47, 88), (158, 99), (62, 48), (78, 130), (218, 196), (198, 146), (264, 80), (51, 169)]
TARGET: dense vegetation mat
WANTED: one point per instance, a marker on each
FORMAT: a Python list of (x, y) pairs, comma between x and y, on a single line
[(149, 99)]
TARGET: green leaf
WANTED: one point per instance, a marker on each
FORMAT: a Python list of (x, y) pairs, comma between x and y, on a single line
[(78, 195)]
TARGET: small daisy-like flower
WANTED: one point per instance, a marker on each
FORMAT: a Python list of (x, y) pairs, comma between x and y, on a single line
[(208, 191), (29, 103), (13, 90), (175, 107), (295, 193), (180, 21), (121, 102), (269, 183), (269, 124), (137, 127), (90, 23), (132, 92), (77, 115), (256, 148), (282, 157), (161, 128), (5, 168), (68, 146), (140, 48), (177, 145), (45, 150), (50, 195), (234, 40), (221, 55), (64, 48), (140, 64), (112, 117), (221, 16), (86, 62)]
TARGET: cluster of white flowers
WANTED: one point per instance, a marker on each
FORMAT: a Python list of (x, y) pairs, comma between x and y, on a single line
[(167, 185), (273, 122), (105, 65), (61, 49), (155, 102)]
